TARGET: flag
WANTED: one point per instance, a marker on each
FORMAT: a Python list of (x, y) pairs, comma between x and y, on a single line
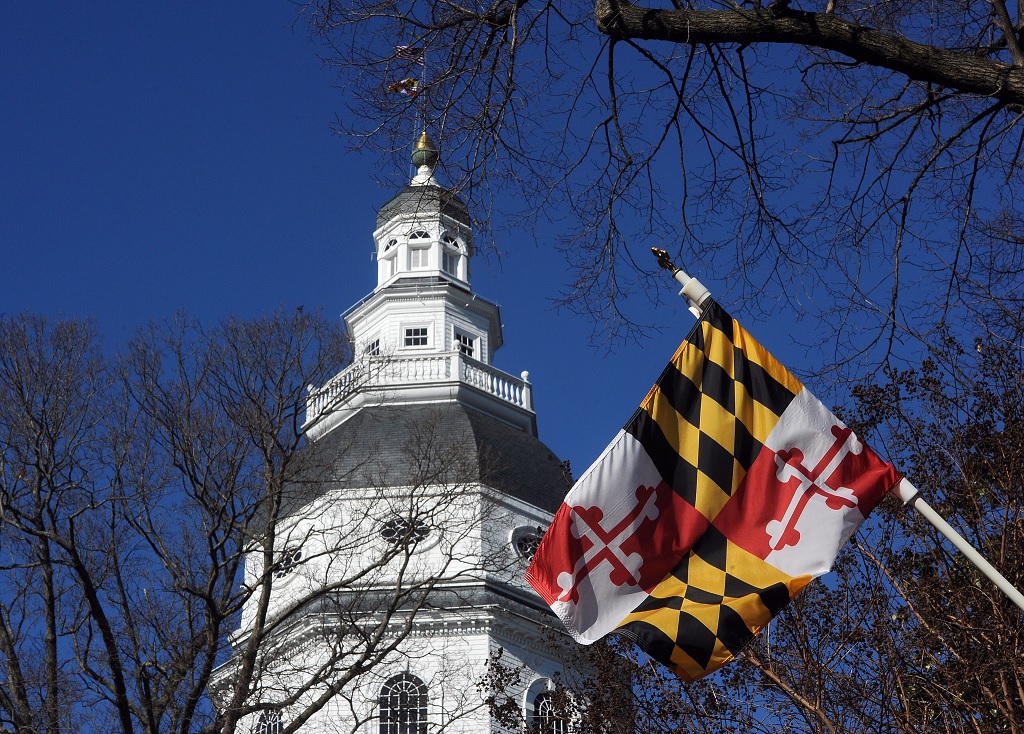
[(410, 53), (728, 490), (409, 87)]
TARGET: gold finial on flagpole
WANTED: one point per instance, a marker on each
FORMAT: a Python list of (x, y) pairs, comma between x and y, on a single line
[(693, 290), (663, 260)]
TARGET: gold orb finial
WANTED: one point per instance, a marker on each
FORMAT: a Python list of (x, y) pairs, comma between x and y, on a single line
[(425, 153)]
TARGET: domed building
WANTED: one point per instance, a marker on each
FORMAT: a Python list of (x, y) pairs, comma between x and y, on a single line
[(420, 498)]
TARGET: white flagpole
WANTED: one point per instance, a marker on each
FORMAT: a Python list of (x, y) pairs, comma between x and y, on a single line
[(695, 292), (912, 497)]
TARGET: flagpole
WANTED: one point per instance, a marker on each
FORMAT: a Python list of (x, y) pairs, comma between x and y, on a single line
[(423, 90), (911, 497), (693, 290)]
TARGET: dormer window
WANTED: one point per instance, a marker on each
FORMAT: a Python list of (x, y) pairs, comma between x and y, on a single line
[(373, 348)]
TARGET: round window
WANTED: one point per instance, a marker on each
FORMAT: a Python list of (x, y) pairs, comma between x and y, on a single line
[(403, 531), (525, 541), (290, 559)]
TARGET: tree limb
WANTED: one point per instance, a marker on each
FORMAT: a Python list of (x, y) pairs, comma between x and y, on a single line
[(960, 71)]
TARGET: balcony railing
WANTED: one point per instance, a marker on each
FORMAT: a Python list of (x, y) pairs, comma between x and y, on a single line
[(384, 373)]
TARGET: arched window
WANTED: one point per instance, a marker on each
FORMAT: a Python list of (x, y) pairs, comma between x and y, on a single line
[(546, 719), (403, 705), (451, 253), (270, 723), (389, 254)]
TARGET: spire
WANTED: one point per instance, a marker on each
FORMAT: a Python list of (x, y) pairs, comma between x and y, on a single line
[(425, 158)]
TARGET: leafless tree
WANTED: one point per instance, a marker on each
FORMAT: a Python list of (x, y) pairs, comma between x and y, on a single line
[(159, 571), (55, 393), (907, 635), (854, 161), (957, 424)]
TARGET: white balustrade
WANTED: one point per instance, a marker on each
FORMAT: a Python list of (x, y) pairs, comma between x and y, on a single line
[(381, 373)]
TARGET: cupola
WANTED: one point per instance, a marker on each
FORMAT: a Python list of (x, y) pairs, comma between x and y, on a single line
[(423, 336), (423, 231)]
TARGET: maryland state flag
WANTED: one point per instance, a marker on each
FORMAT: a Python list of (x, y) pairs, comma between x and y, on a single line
[(729, 489), (409, 87)]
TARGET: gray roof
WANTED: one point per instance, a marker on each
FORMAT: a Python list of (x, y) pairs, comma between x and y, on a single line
[(424, 199), (428, 444)]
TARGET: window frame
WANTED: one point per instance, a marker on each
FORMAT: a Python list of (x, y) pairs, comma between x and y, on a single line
[(270, 722), (525, 540), (469, 345), (452, 252), (450, 262), (398, 530), (544, 717), (288, 560), (389, 256), (402, 705), (419, 258), (407, 336)]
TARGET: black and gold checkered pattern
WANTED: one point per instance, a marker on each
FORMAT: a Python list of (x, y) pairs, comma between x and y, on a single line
[(709, 607), (703, 424)]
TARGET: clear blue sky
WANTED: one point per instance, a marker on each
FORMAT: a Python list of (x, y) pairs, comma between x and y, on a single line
[(158, 156)]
